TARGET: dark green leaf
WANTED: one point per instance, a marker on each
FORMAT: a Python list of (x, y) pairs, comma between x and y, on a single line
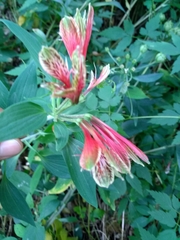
[(35, 178), (82, 179), (175, 202), (176, 66), (143, 172), (4, 94), (112, 3), (136, 93), (62, 135), (13, 202), (168, 234), (113, 33), (21, 119), (34, 233), (31, 43), (56, 165), (167, 117), (128, 27), (25, 86)]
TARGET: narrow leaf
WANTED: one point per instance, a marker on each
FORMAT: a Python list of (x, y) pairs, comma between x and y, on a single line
[(4, 94)]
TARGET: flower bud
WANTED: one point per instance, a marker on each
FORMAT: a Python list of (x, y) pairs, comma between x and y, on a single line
[(162, 17), (160, 58), (106, 49), (134, 61), (127, 56), (143, 48), (168, 25)]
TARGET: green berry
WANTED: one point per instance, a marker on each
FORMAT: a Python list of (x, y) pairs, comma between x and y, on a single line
[(143, 48), (168, 25)]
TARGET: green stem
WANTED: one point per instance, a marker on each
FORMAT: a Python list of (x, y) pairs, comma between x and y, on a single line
[(59, 210), (144, 117)]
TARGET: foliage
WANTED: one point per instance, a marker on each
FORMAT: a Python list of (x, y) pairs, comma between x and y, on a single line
[(44, 194)]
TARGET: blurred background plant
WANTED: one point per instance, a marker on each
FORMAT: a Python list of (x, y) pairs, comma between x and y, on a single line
[(43, 193)]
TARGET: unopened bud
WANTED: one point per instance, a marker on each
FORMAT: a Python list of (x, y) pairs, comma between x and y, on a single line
[(106, 49), (121, 66), (133, 69), (162, 17), (168, 25), (160, 58), (127, 56), (143, 48), (134, 61)]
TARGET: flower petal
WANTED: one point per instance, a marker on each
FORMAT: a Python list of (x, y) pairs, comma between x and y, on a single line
[(91, 151), (103, 173), (53, 64)]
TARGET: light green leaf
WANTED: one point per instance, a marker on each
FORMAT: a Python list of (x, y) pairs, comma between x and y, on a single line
[(25, 86), (117, 116), (128, 27), (19, 230), (56, 165), (21, 181), (163, 217), (13, 202), (105, 93), (23, 118), (82, 179), (162, 199), (136, 93), (135, 183), (91, 101), (17, 70), (145, 235)]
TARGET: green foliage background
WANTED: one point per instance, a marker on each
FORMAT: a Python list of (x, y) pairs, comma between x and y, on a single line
[(43, 192)]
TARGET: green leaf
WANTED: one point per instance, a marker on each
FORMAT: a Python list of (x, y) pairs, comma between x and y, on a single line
[(136, 93), (105, 93), (31, 43), (113, 192), (175, 202), (26, 5), (117, 116), (91, 101), (56, 165), (168, 234), (34, 233), (113, 33), (25, 86), (162, 199), (47, 206), (176, 140), (4, 94), (19, 230), (115, 101), (62, 135), (128, 27), (145, 235), (36, 178), (21, 181), (112, 3), (176, 66), (148, 77), (21, 119), (17, 70), (82, 179), (163, 47), (163, 217), (143, 172), (122, 45), (135, 183), (167, 117), (13, 202)]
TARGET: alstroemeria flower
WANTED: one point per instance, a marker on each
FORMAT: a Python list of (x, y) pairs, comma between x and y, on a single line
[(77, 31), (106, 153)]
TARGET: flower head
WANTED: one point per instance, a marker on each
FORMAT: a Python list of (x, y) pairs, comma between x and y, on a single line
[(77, 31), (106, 153)]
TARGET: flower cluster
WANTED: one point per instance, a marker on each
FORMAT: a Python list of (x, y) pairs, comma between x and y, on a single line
[(106, 153), (75, 33)]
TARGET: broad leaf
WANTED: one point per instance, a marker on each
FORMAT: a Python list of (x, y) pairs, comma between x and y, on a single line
[(163, 217), (148, 77), (13, 202), (82, 179), (145, 235), (56, 165), (21, 119), (31, 43), (136, 93), (162, 199), (135, 183), (4, 94), (25, 86)]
